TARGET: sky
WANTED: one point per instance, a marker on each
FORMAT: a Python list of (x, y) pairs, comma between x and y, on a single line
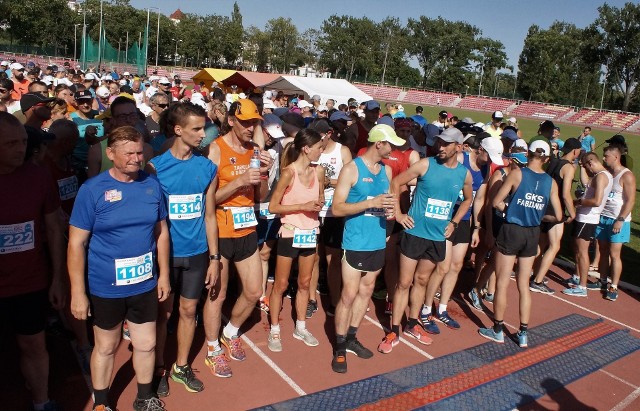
[(504, 20)]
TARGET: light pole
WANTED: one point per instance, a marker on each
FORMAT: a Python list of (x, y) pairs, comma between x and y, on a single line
[(75, 40), (481, 75), (175, 56)]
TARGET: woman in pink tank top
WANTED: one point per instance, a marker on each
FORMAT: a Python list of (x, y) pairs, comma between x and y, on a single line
[(298, 198)]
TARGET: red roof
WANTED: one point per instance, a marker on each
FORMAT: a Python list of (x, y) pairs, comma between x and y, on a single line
[(177, 15)]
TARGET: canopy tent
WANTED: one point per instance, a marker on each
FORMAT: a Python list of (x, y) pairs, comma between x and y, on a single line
[(337, 89), (248, 80), (209, 75)]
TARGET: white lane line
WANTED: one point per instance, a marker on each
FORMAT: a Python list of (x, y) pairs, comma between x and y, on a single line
[(464, 301), (615, 377), (271, 363), (624, 403), (413, 347), (591, 311)]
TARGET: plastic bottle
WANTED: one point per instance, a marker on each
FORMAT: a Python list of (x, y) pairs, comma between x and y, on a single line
[(255, 158)]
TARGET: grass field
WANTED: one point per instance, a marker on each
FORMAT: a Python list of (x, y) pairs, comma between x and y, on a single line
[(529, 127)]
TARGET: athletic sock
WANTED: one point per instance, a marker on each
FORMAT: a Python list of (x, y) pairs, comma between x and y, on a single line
[(351, 333), (412, 322), (300, 325), (497, 326), (275, 328), (442, 308), (523, 327), (145, 391), (230, 330), (212, 347), (395, 329), (614, 286), (101, 397), (341, 343), (426, 310)]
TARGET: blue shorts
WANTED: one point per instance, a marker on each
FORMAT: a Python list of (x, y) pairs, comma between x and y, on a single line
[(267, 229), (604, 231)]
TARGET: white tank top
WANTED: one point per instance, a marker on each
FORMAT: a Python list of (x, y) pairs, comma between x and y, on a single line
[(332, 163), (615, 200), (591, 215)]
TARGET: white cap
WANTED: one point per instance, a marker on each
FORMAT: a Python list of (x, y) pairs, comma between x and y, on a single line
[(16, 66), (267, 94), (154, 78), (520, 143), (322, 107), (275, 130), (123, 82), (481, 125), (242, 95), (540, 144), (164, 80), (497, 114), (4, 63), (90, 76), (267, 103), (400, 108), (48, 80), (493, 147), (512, 120), (103, 92), (126, 73), (304, 103), (107, 77)]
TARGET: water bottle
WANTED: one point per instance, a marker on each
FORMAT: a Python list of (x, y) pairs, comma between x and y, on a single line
[(255, 158)]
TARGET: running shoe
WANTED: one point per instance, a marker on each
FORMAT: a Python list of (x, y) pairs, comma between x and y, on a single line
[(102, 407), (388, 342), (388, 308), (312, 307), (306, 337), (611, 294), (263, 304), (125, 332), (419, 334), (489, 334), (218, 364), (475, 300), (355, 347), (488, 297), (445, 319), (185, 376), (331, 311), (429, 324), (523, 339), (598, 285), (540, 288), (234, 346), (152, 404), (161, 378), (574, 281), (339, 362), (575, 291), (274, 342)]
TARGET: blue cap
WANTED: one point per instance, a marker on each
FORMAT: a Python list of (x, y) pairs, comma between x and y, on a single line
[(399, 114), (510, 134), (386, 120), (432, 132), (280, 111), (371, 105), (419, 119), (340, 115)]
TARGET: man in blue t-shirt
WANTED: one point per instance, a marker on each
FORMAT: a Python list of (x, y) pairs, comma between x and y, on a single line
[(120, 215), (587, 140), (188, 182)]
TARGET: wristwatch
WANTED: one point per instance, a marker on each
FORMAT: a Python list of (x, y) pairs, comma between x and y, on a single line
[(455, 225), (214, 257), (620, 219)]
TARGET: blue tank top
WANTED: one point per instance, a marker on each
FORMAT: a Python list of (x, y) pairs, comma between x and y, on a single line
[(477, 179), (529, 202), (183, 184), (434, 197), (366, 231)]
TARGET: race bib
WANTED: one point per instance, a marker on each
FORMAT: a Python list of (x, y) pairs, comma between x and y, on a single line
[(68, 188), (185, 207), (438, 209), (304, 238), (328, 200), (134, 270), (15, 238), (263, 212), (243, 217), (374, 212)]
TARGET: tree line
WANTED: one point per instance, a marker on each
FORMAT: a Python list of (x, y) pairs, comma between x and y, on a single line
[(565, 64)]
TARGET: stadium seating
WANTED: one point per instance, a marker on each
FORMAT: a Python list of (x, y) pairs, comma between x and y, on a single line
[(604, 118), (540, 110), (487, 104), (431, 98), (380, 92)]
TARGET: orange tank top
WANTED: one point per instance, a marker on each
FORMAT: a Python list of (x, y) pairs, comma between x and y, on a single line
[(298, 193), (232, 165)]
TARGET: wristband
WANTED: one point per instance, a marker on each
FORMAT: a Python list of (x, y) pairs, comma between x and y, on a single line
[(455, 225), (265, 177), (215, 257)]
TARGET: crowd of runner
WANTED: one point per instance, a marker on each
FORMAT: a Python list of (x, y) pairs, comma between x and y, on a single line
[(131, 201)]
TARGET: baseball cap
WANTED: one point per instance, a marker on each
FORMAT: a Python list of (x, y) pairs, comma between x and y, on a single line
[(267, 103), (294, 119), (387, 120), (512, 120), (399, 114), (353, 103), (540, 146), (273, 125), (547, 125), (4, 63), (451, 135), (164, 80), (383, 132), (29, 100), (521, 143), (443, 113), (304, 103), (83, 95), (126, 73), (90, 76), (497, 115), (431, 131), (467, 120), (571, 144), (493, 147), (316, 97), (419, 119), (246, 110), (321, 126), (510, 134), (16, 66), (340, 115), (103, 92), (322, 107), (371, 105), (617, 139), (267, 94)]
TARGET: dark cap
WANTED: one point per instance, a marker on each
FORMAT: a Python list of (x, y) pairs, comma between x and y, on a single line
[(353, 103), (571, 144), (443, 113), (29, 100), (371, 105), (617, 139), (321, 126), (340, 115), (431, 131), (294, 119), (547, 125), (83, 95), (510, 134)]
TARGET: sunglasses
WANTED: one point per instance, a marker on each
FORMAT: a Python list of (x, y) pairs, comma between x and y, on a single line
[(4, 90), (162, 105)]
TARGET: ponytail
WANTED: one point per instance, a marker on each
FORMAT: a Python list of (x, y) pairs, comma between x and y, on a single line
[(304, 138)]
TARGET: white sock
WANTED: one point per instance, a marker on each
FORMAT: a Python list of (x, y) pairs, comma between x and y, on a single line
[(301, 325), (230, 330), (442, 308), (212, 347), (275, 328), (426, 310)]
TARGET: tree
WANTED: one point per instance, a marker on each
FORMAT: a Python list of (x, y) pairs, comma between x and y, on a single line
[(283, 37), (233, 36), (255, 54), (618, 32)]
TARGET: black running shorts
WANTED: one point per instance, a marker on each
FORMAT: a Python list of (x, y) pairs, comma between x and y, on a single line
[(418, 248), (138, 309), (517, 240)]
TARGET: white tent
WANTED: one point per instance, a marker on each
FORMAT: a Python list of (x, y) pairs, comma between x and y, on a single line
[(337, 89)]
